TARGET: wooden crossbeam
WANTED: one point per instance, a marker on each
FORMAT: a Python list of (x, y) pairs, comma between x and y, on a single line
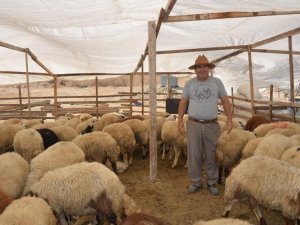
[(225, 15), (12, 47)]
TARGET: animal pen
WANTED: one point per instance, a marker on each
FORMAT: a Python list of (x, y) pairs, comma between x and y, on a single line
[(23, 106)]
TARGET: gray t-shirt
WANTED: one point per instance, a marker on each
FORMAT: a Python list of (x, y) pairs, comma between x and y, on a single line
[(203, 97)]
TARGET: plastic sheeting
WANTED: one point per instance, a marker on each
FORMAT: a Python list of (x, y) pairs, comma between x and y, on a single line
[(79, 36)]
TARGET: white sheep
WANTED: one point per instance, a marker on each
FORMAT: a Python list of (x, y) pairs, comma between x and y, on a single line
[(28, 143), (236, 124), (45, 125), (250, 148), (265, 181), (82, 189), (141, 134), (86, 126), (124, 137), (13, 121), (106, 119), (28, 211), (81, 116), (284, 131), (7, 135), (173, 140), (64, 133), (99, 146), (274, 145), (73, 122), (292, 156), (222, 221), (30, 123), (13, 174), (263, 129), (58, 155), (229, 149)]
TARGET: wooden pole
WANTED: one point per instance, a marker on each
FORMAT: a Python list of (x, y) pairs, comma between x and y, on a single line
[(27, 81), (97, 103), (152, 99), (251, 79), (232, 102), (143, 104), (271, 100), (20, 101), (292, 97), (55, 97), (131, 87), (169, 90)]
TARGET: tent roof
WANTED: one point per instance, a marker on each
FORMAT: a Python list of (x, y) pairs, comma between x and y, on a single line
[(109, 36)]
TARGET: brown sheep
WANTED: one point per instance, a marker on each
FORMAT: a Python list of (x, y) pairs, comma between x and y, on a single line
[(255, 121)]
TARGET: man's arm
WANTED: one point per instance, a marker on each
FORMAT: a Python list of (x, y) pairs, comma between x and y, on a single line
[(227, 108), (181, 110)]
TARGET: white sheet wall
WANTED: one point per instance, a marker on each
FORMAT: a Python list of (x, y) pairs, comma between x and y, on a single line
[(109, 36)]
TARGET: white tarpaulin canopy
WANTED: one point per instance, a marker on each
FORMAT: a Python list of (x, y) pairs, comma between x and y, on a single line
[(88, 36)]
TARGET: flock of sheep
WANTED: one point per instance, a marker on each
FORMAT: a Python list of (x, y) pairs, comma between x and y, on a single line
[(66, 170)]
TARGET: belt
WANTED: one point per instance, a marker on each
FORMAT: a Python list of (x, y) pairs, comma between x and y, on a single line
[(203, 121)]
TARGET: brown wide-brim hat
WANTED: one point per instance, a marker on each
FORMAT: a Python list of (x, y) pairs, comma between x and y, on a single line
[(202, 61)]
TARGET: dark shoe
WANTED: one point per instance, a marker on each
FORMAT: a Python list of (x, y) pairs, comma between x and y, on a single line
[(213, 189), (193, 188)]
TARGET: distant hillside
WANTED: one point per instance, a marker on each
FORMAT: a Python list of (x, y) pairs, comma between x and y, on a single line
[(120, 81)]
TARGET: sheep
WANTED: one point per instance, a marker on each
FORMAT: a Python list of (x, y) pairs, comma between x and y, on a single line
[(292, 156), (222, 221), (141, 134), (107, 119), (235, 122), (45, 125), (12, 121), (266, 181), (58, 155), (62, 120), (229, 149), (64, 133), (73, 122), (129, 207), (82, 189), (274, 145), (7, 134), (28, 143), (81, 116), (49, 137), (13, 174), (124, 137), (174, 140), (143, 219), (255, 121), (5, 200), (100, 147), (30, 123), (284, 131), (86, 126), (250, 148), (28, 210), (261, 130)]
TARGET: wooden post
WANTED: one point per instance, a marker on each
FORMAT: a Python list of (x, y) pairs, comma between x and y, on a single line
[(130, 98), (97, 103), (169, 90), (251, 79), (152, 99), (143, 108), (292, 98), (55, 97), (27, 81), (232, 102), (271, 102), (20, 100)]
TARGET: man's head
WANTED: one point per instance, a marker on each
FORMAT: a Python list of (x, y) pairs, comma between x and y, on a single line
[(202, 67)]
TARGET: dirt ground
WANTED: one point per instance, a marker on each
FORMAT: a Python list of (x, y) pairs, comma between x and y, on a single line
[(168, 198)]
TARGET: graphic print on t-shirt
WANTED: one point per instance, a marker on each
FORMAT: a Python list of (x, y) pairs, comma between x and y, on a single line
[(203, 93)]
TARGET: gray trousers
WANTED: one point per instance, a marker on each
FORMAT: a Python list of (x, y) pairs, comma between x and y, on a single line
[(202, 139)]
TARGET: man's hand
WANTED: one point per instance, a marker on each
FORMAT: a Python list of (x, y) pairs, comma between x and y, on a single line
[(229, 126), (181, 127)]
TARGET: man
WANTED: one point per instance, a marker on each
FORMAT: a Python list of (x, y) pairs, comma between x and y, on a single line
[(201, 95)]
